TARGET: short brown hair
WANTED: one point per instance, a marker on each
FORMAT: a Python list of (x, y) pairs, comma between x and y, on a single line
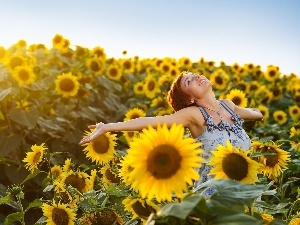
[(176, 98)]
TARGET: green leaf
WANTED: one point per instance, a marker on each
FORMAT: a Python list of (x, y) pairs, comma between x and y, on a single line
[(4, 93), (37, 203), (18, 216), (183, 209), (1, 116), (224, 218), (5, 199), (233, 192), (41, 221), (9, 143), (28, 119), (48, 188), (31, 175)]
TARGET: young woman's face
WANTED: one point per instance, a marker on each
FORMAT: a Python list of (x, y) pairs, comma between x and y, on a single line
[(194, 85)]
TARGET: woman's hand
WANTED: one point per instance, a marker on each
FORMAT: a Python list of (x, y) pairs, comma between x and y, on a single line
[(99, 130)]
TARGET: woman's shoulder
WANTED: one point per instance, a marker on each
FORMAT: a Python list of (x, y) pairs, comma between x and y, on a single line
[(228, 102)]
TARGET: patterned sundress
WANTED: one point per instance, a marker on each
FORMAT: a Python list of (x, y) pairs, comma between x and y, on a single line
[(215, 134)]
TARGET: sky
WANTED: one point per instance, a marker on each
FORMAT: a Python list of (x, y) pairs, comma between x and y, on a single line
[(263, 32)]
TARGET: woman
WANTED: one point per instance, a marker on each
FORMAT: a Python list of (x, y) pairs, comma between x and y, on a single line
[(209, 120)]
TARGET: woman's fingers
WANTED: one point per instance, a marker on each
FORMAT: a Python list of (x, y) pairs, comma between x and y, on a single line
[(92, 126)]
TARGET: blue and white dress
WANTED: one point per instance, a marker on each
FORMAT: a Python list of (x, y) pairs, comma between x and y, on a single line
[(215, 134)]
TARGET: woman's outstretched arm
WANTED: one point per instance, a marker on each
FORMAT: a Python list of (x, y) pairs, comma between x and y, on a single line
[(180, 117)]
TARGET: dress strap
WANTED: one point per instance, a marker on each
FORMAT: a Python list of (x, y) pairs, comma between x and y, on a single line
[(204, 113), (227, 108)]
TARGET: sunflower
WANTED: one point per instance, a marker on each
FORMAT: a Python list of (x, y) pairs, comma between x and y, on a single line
[(134, 113), (14, 61), (263, 95), (138, 88), (151, 87), (140, 208), (272, 73), (56, 171), (233, 163), (79, 180), (238, 97), (294, 221), (265, 112), (294, 112), (127, 65), (66, 85), (277, 92), (165, 66), (109, 176), (158, 102), (105, 216), (58, 41), (219, 79), (58, 214), (166, 163), (210, 65), (130, 135), (272, 165), (96, 65), (294, 132), (267, 218), (23, 75), (243, 85), (98, 52), (249, 67), (185, 63), (280, 117), (35, 157), (68, 165), (114, 72), (235, 67), (174, 72), (102, 149), (125, 169)]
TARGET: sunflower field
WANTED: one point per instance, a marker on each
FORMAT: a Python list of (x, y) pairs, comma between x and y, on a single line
[(49, 96)]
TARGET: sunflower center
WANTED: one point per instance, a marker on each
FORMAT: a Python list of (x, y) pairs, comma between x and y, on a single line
[(140, 88), (142, 211), (166, 68), (60, 216), (36, 157), (235, 166), (279, 117), (66, 85), (23, 75), (111, 176), (95, 66), (57, 39), (151, 85), (236, 100), (130, 134), (272, 73), (163, 161), (101, 144), (219, 80), (134, 116), (106, 217), (75, 181), (127, 65), (271, 160), (113, 72)]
